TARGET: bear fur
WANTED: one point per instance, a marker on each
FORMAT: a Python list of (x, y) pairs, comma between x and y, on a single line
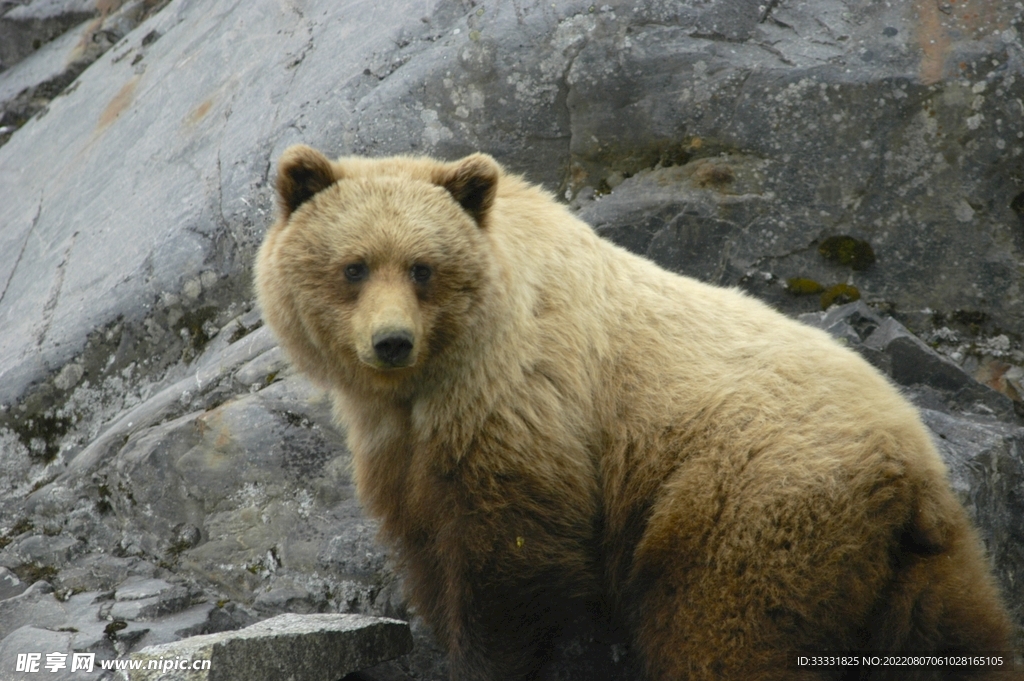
[(540, 418)]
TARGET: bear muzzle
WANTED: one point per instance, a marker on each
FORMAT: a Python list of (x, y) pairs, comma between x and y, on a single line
[(393, 347)]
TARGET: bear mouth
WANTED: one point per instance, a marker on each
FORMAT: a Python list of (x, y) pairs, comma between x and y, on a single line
[(385, 367), (371, 361)]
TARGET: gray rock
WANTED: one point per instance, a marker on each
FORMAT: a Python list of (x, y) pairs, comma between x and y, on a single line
[(97, 623), (199, 387), (42, 77), (157, 624), (910, 362), (44, 643), (914, 363), (10, 585), (139, 599), (138, 588), (232, 473), (41, 549), (354, 549), (35, 607), (102, 572), (818, 126), (27, 27), (386, 671), (986, 462), (295, 647), (28, 87), (263, 370)]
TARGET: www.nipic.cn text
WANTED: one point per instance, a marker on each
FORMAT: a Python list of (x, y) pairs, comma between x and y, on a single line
[(32, 663)]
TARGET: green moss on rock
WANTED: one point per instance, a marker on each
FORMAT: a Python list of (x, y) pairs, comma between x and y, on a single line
[(847, 250), (801, 286), (840, 294)]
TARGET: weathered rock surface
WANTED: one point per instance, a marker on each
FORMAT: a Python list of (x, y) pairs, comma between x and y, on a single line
[(287, 647), (164, 473), (83, 30), (139, 611), (894, 124), (24, 28)]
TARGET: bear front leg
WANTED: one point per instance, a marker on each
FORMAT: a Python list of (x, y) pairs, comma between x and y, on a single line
[(492, 625), (497, 633), (496, 565)]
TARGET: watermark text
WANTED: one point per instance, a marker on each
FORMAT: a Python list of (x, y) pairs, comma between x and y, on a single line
[(41, 663)]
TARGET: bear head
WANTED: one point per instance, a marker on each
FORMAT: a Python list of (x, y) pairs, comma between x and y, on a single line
[(374, 267)]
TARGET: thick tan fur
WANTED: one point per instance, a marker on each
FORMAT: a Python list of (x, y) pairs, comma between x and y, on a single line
[(574, 424)]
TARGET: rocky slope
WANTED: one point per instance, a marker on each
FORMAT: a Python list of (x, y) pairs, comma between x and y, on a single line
[(165, 473)]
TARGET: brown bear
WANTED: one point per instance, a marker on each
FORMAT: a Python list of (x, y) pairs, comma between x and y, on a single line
[(540, 418)]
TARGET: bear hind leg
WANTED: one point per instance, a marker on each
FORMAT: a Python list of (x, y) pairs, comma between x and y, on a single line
[(944, 602)]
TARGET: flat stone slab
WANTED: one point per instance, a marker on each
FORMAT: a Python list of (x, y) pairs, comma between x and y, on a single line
[(284, 648)]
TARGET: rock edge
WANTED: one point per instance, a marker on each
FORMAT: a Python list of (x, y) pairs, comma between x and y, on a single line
[(321, 647)]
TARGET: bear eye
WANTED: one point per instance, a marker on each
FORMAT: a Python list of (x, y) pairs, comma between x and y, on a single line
[(356, 272), (421, 273)]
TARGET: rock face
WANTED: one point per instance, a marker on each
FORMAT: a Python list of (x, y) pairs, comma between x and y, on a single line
[(164, 473), (81, 32), (293, 647)]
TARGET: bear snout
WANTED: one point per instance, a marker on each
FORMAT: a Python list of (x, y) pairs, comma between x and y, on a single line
[(393, 347)]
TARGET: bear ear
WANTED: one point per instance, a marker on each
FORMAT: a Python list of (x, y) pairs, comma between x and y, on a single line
[(472, 182), (301, 172)]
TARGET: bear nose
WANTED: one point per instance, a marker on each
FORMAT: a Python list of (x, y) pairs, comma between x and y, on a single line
[(392, 347)]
